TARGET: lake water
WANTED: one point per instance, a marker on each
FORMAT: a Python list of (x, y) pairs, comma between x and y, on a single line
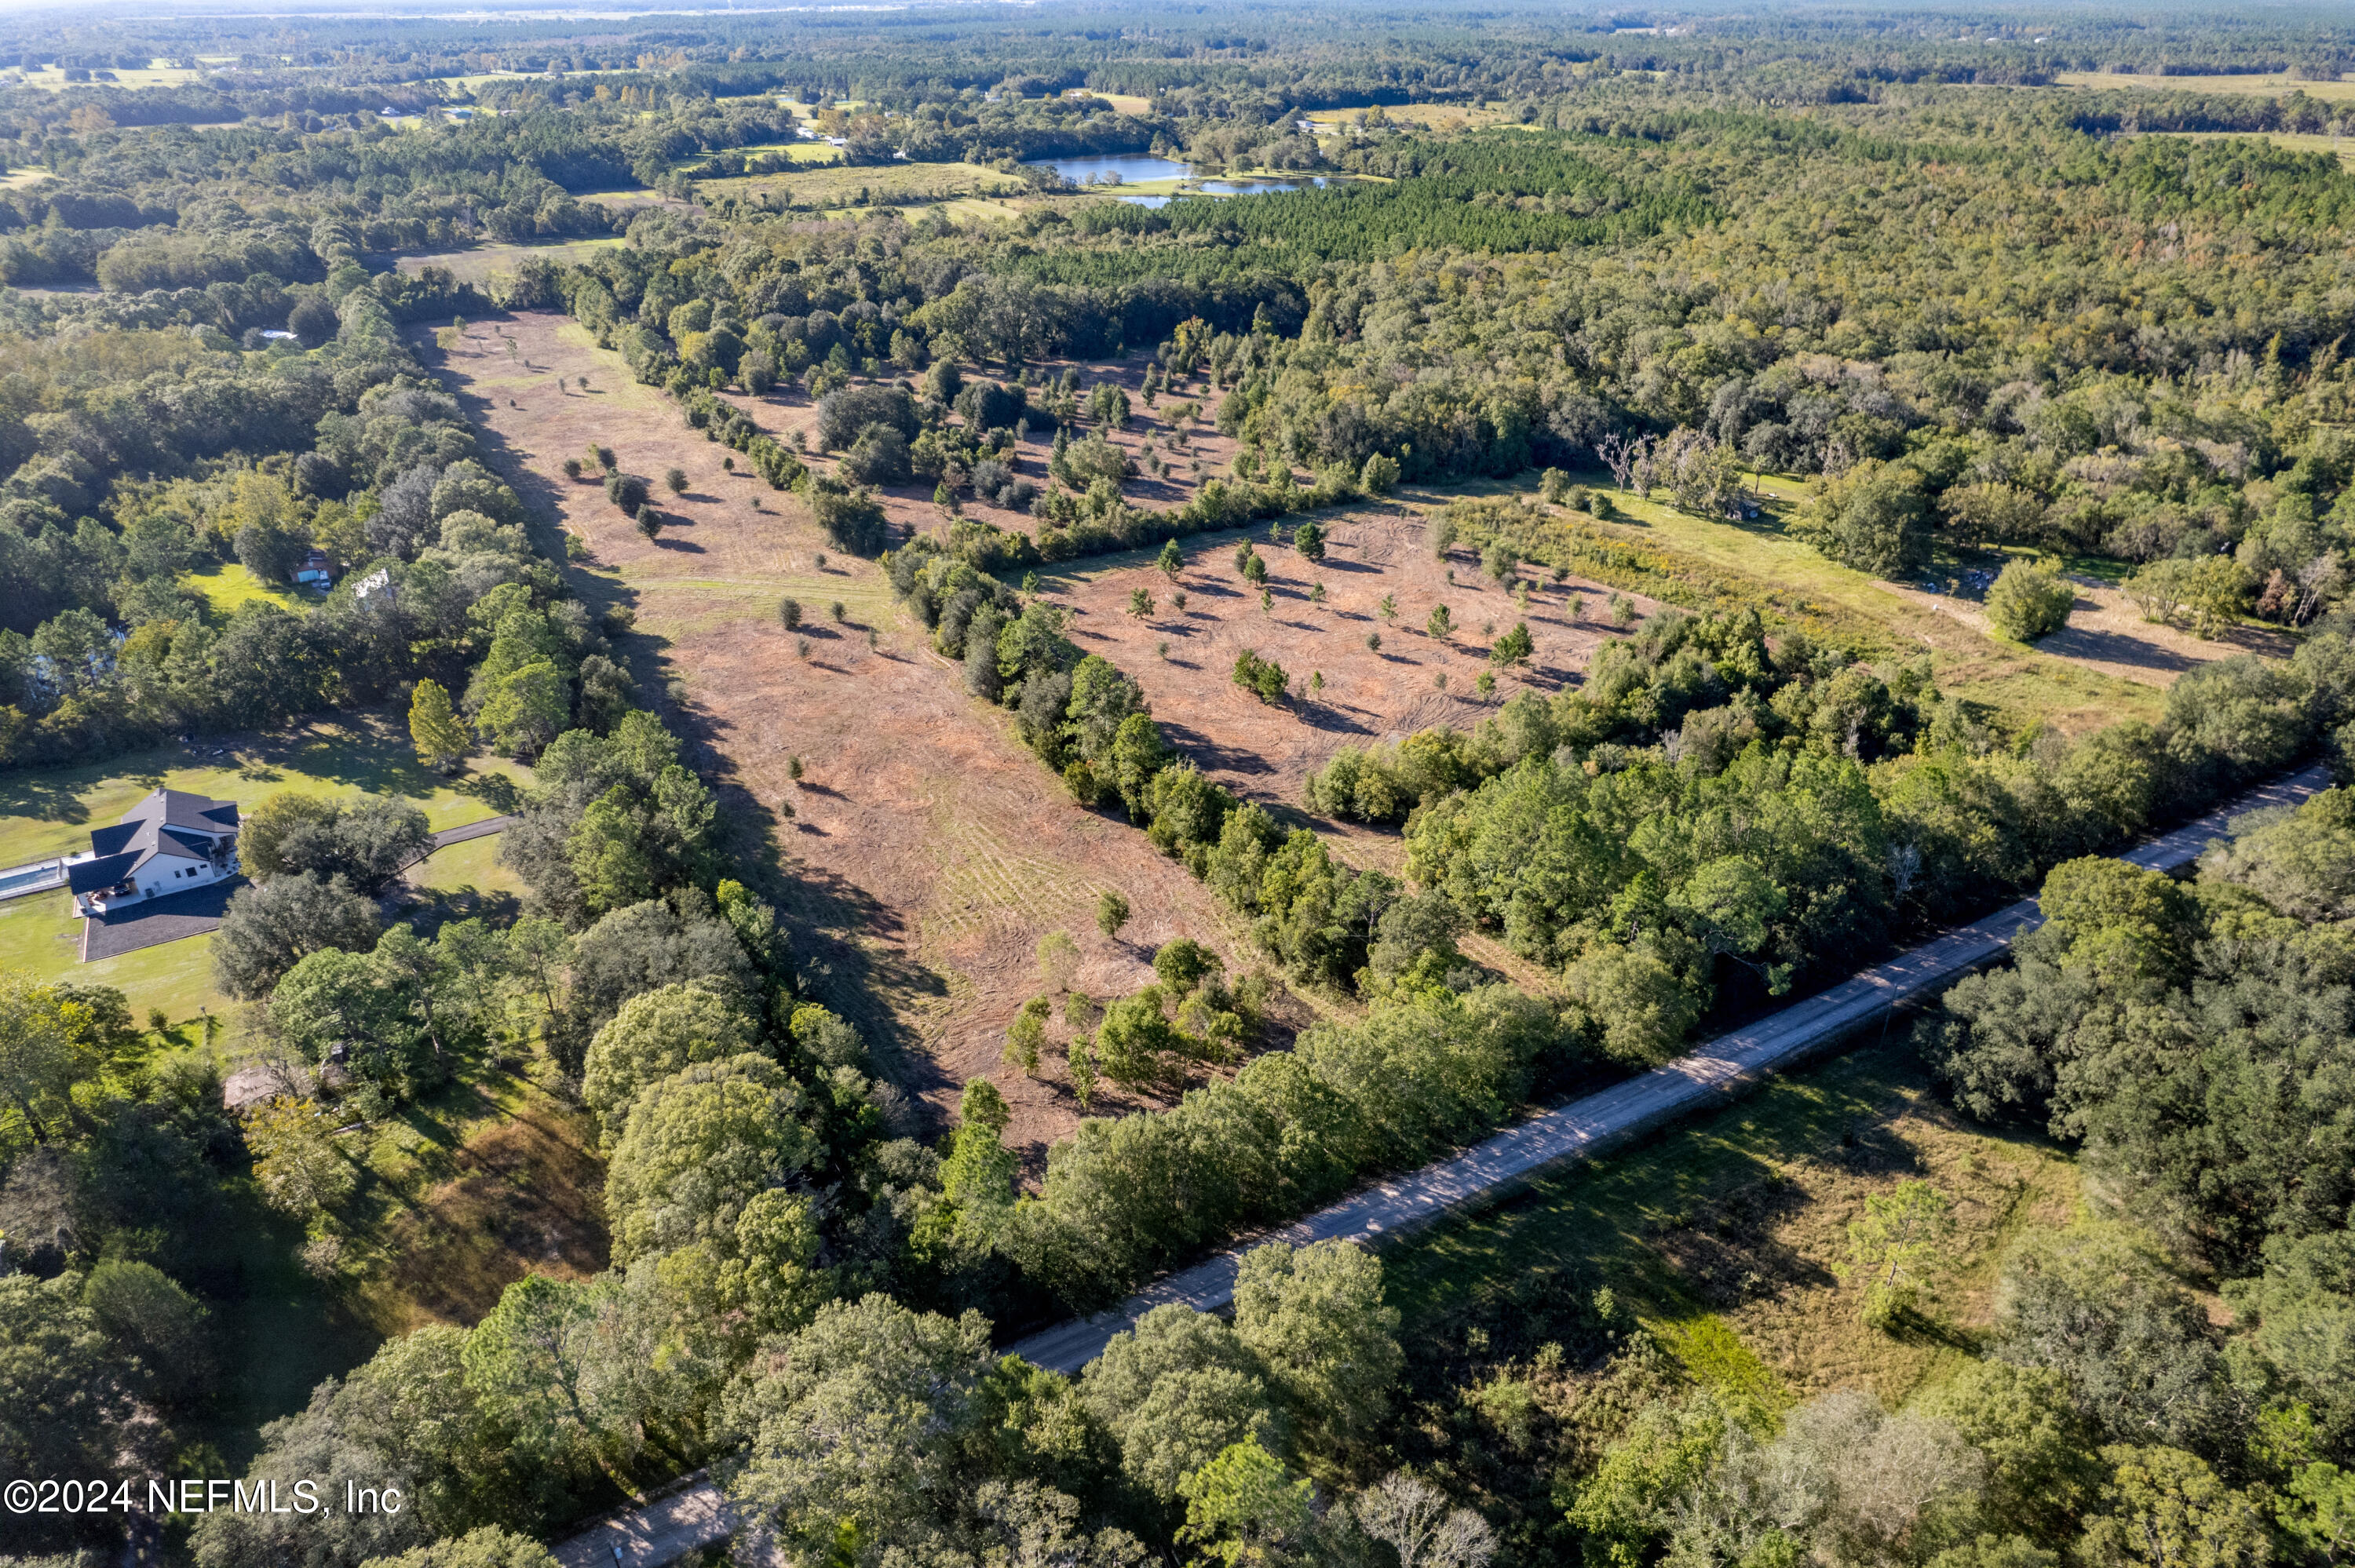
[(1136, 168)]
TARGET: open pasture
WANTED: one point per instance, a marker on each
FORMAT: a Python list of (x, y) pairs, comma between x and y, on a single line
[(930, 849)]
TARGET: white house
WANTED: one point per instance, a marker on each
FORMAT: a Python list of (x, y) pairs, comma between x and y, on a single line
[(317, 571), (169, 842)]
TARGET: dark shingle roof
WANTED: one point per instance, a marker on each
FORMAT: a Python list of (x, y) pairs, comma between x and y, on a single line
[(181, 809), (91, 875), (172, 822)]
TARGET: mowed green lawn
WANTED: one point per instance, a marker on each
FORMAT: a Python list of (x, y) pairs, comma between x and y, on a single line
[(41, 933), (472, 867), (226, 588), (48, 812), (51, 811)]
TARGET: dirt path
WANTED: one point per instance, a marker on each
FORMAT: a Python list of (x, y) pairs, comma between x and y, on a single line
[(930, 851)]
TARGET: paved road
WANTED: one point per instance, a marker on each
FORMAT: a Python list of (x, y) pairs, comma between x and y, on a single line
[(1586, 1126), (663, 1531), (458, 835), (481, 830), (698, 1515)]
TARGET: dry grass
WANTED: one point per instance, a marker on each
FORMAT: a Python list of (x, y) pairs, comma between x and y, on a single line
[(831, 185), (52, 79), (2263, 86), (2075, 683), (927, 849), (2106, 633), (1728, 1234), (1265, 753), (481, 1185), (479, 264), (1441, 117)]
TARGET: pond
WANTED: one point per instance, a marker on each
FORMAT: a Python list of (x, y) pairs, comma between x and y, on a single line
[(1136, 168)]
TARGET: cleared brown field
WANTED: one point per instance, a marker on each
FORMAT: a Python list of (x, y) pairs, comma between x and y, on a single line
[(931, 850), (1186, 659)]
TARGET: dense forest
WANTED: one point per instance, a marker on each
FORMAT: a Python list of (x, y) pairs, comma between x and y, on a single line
[(1901, 290)]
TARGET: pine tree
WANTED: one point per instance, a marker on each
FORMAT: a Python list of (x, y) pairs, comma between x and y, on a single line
[(441, 740)]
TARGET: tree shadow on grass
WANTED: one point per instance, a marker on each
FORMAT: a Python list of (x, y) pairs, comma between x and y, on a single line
[(1910, 1324), (1330, 718), (1210, 755), (852, 952), (849, 949), (2114, 648), (538, 492), (56, 795)]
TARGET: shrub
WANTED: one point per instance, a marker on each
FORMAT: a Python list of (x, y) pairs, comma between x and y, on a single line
[(789, 610), (758, 372), (843, 415), (879, 456), (987, 405), (2028, 601), (1264, 678), (850, 517), (627, 492), (2211, 592), (1500, 562), (990, 476), (675, 481)]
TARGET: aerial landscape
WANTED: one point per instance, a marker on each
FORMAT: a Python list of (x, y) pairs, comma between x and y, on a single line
[(990, 784)]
